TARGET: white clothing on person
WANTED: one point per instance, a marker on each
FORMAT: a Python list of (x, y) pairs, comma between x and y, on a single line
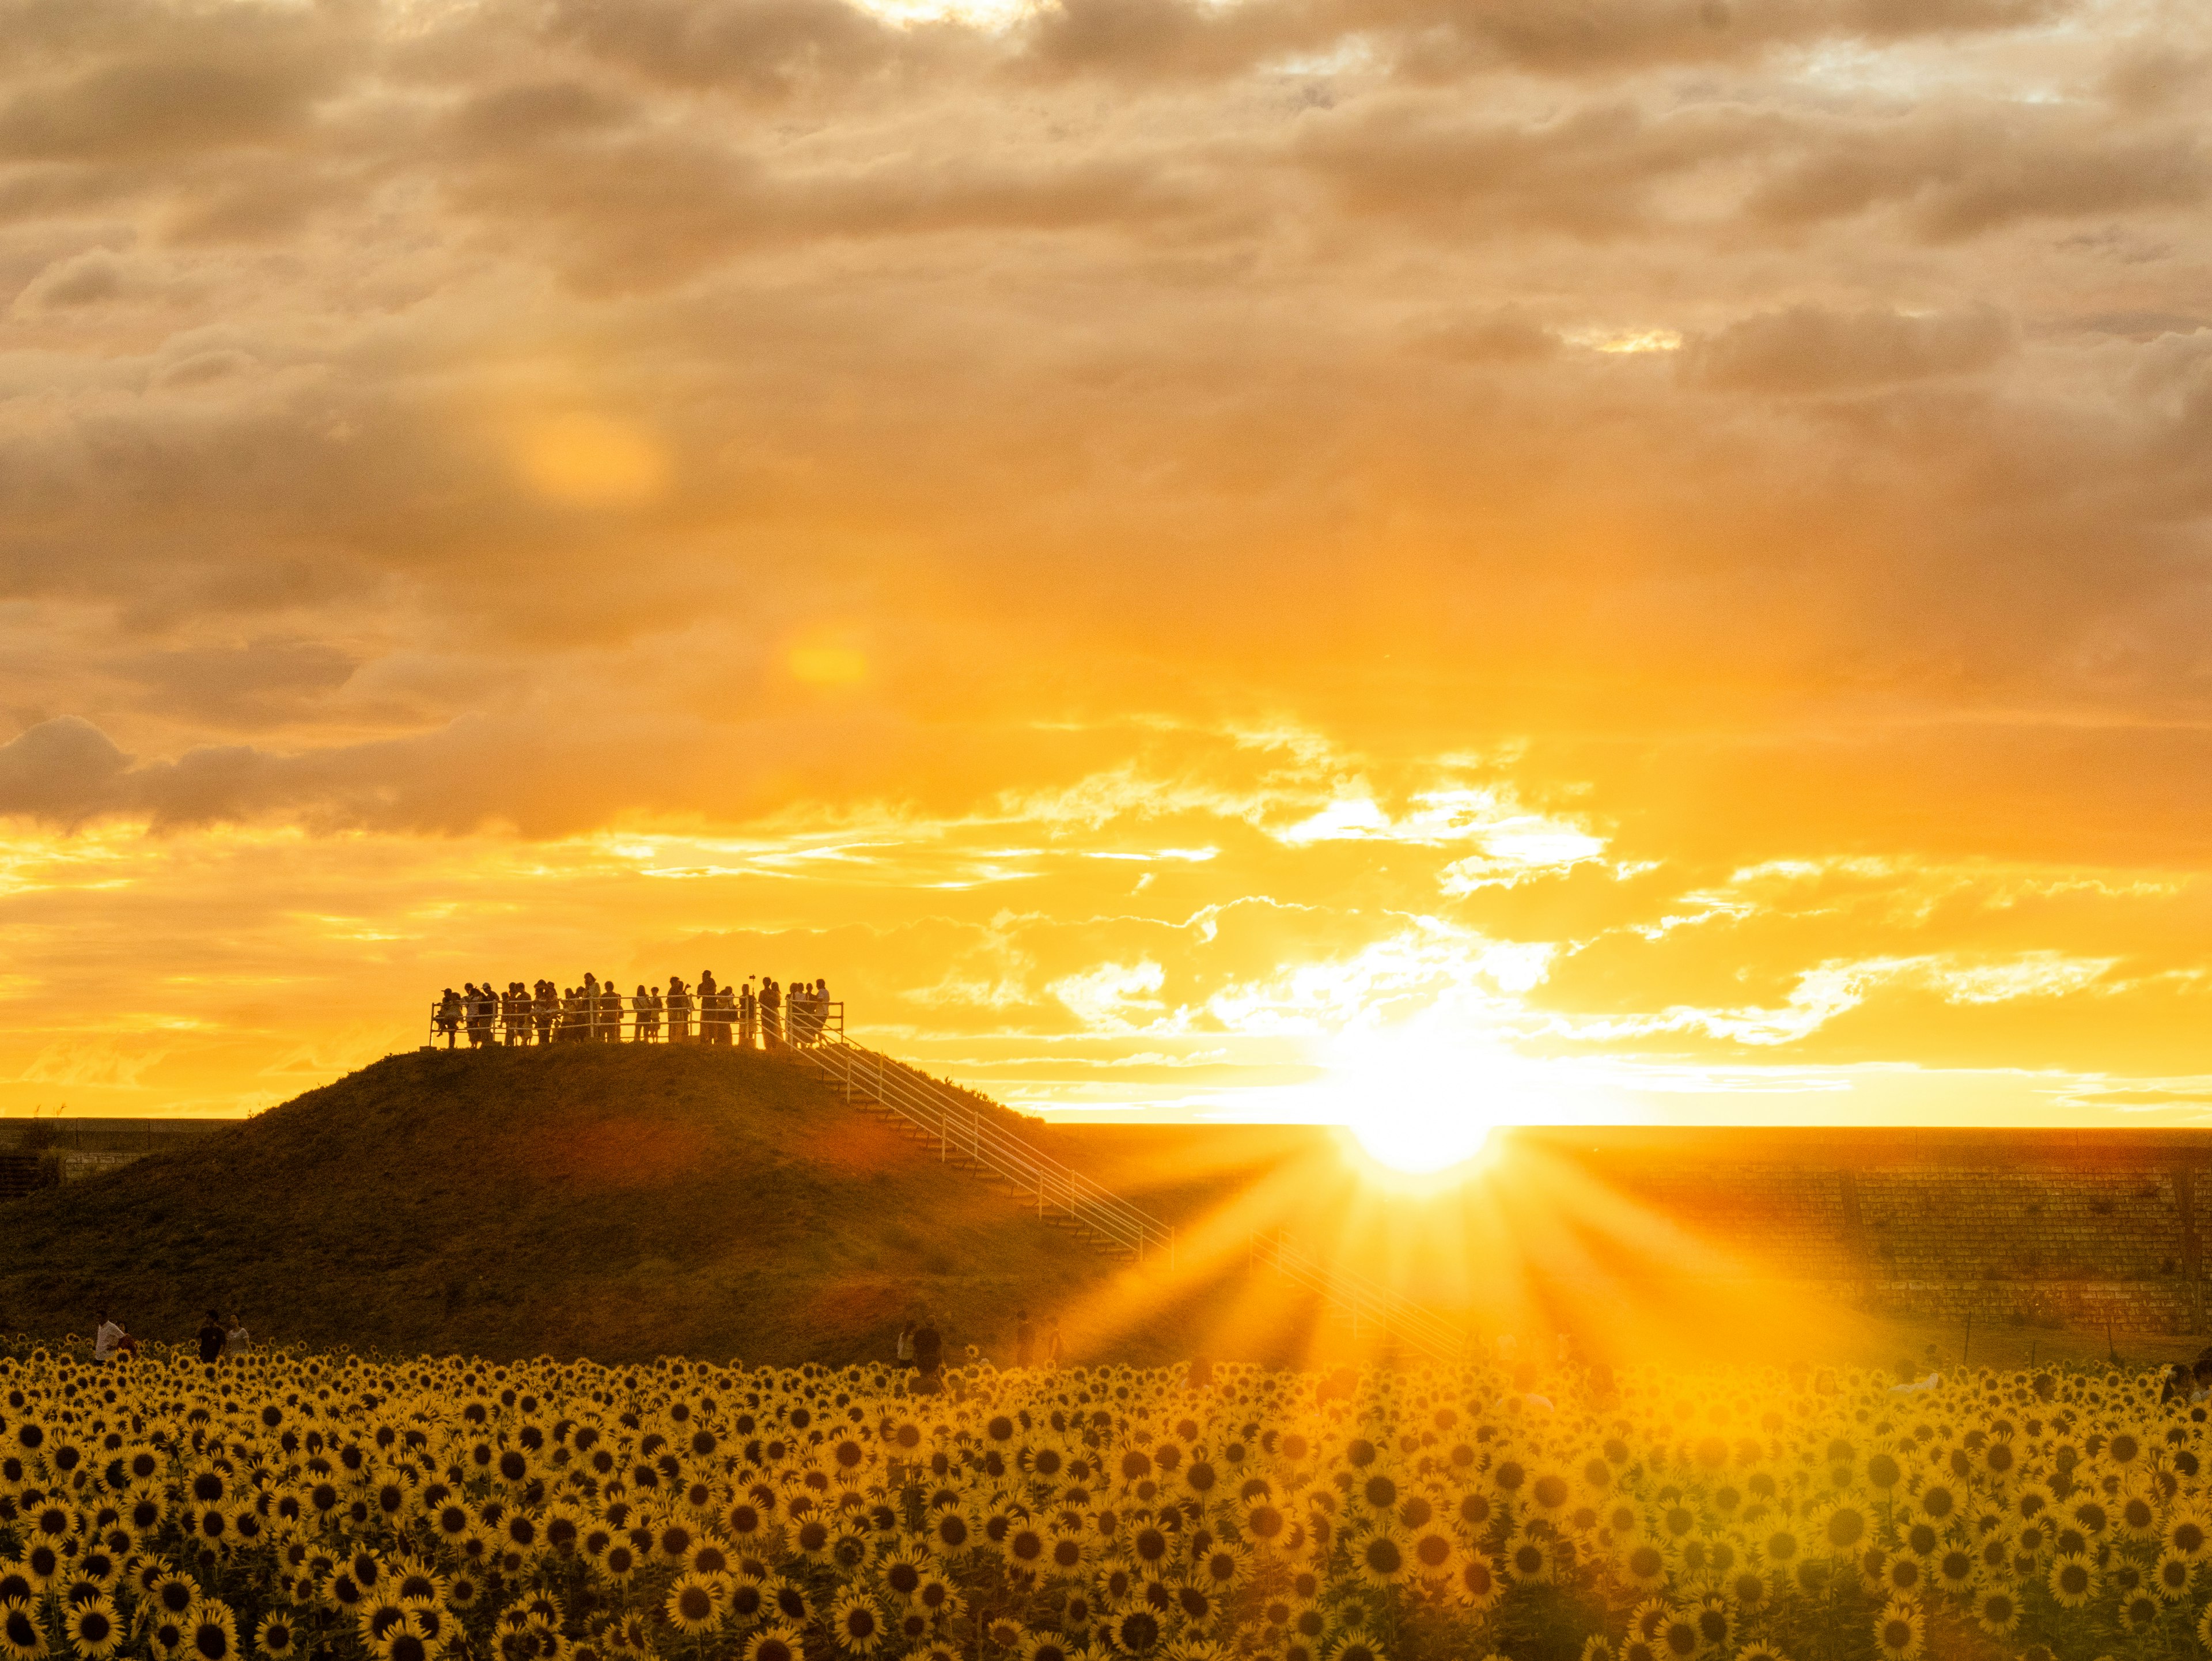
[(906, 1345), (237, 1340), (1917, 1385), (104, 1343)]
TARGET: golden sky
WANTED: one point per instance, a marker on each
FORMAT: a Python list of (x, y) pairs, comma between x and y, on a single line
[(1241, 558)]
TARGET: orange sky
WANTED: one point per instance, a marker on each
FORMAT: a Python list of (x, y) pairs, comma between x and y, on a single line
[(1265, 558)]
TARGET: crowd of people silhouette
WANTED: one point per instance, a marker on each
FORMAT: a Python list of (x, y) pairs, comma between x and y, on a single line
[(597, 1011)]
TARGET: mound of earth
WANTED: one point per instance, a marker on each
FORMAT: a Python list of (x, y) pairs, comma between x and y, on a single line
[(610, 1201)]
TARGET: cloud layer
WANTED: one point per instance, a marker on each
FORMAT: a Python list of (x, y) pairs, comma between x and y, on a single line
[(1735, 473)]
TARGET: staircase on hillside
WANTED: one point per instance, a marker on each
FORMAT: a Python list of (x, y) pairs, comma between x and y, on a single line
[(1367, 1304), (979, 1135)]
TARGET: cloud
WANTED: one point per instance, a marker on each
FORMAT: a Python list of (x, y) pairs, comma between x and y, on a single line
[(1666, 530), (1806, 349)]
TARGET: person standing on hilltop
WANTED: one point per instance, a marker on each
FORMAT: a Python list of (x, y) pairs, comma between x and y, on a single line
[(747, 1016), (449, 1016), (610, 1013), (647, 1022), (212, 1338), (679, 1011), (710, 1006), (771, 1013)]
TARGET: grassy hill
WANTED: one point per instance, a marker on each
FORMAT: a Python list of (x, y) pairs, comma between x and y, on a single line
[(610, 1201)]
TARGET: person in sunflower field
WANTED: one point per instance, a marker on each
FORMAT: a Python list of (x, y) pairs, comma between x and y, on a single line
[(107, 1339), (212, 1337), (238, 1340), (928, 1347)]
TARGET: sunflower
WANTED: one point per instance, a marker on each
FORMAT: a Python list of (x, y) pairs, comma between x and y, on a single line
[(2073, 1582), (277, 1639), (1645, 1566), (856, 1623), (1135, 1632), (93, 1628), (1897, 1631), (747, 1600), (1715, 1622), (2170, 1576), (1475, 1582), (1997, 1611), (376, 1618), (1844, 1529), (210, 1633), (2139, 1610), (694, 1604), (1435, 1553), (2187, 1534), (1954, 1569), (1528, 1560), (789, 1600), (777, 1643), (1357, 1643), (1381, 1559), (21, 1638)]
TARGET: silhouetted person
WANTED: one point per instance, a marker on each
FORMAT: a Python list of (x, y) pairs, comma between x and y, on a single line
[(771, 1013), (679, 1011), (1024, 1338), (928, 1346), (449, 1016), (748, 1017), (1201, 1375), (905, 1351), (649, 1016), (107, 1339), (212, 1337), (610, 1014)]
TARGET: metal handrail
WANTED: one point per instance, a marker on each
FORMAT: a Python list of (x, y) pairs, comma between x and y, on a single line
[(1362, 1298), (553, 1021), (962, 1125)]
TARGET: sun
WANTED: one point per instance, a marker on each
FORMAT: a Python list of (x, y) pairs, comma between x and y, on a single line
[(1416, 1103)]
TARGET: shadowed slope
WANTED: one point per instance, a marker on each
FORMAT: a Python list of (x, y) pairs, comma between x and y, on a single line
[(615, 1202)]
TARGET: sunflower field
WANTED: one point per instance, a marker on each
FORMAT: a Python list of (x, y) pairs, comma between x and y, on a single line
[(289, 1505)]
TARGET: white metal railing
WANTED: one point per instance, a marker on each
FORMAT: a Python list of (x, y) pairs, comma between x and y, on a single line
[(1362, 1299), (508, 1023), (964, 1127)]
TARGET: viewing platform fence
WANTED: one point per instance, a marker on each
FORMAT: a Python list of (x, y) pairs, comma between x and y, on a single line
[(619, 1021)]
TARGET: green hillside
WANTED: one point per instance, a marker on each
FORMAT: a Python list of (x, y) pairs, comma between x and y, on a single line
[(616, 1202)]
